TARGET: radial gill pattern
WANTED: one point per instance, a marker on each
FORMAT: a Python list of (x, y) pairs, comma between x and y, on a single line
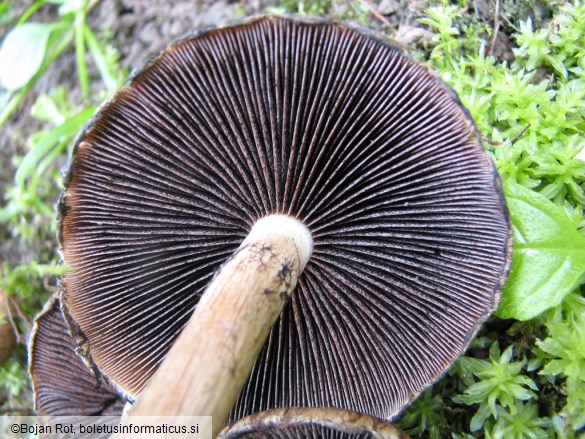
[(327, 123), (63, 385)]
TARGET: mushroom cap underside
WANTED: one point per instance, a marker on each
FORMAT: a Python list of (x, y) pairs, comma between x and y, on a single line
[(324, 122), (62, 384)]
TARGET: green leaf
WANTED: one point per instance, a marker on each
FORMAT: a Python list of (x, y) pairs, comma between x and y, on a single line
[(45, 108), (22, 54), (548, 259), (99, 57), (63, 132), (4, 98), (480, 417)]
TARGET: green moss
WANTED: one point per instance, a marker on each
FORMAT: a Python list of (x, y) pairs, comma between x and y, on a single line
[(531, 112)]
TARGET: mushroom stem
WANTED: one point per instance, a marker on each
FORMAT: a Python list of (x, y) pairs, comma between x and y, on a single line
[(209, 363)]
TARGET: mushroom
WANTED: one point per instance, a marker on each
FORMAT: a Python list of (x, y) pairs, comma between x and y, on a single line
[(7, 337), (274, 144), (62, 383), (320, 422)]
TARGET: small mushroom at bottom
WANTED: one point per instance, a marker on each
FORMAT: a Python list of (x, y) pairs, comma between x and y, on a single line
[(62, 384), (319, 422), (7, 337)]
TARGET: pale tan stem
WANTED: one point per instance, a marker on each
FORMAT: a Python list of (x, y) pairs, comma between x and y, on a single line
[(209, 363)]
